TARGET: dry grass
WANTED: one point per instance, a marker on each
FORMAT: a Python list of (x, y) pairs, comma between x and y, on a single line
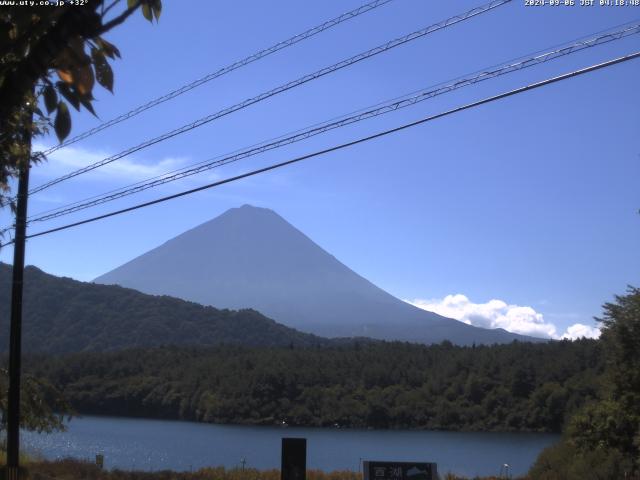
[(71, 469)]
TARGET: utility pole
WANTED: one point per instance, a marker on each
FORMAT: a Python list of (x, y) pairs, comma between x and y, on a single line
[(15, 340)]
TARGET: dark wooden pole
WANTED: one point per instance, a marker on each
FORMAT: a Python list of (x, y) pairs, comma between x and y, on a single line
[(15, 341)]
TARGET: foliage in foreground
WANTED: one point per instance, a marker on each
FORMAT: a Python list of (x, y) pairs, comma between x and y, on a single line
[(602, 440), (515, 387), (42, 406), (566, 462), (38, 41)]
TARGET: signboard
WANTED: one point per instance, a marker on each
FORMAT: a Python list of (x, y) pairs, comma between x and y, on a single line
[(294, 459), (400, 471)]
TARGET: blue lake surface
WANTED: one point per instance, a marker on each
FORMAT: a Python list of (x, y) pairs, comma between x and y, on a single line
[(155, 445)]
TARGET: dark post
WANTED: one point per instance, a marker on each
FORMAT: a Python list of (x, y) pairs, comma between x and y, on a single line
[(15, 341), (294, 459)]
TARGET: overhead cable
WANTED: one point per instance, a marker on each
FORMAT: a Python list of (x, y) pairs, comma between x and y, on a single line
[(510, 93), (380, 109), (367, 7), (282, 88)]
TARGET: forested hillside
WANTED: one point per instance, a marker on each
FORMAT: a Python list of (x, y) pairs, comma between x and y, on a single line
[(516, 387), (62, 315)]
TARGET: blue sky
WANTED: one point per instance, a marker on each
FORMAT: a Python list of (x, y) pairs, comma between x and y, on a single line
[(531, 202)]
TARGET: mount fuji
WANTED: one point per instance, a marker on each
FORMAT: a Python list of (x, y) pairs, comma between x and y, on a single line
[(251, 257)]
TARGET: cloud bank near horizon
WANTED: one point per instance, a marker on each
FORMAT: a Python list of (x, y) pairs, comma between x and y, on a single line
[(499, 314)]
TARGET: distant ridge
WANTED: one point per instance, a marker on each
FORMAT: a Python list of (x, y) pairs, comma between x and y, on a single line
[(251, 257), (62, 315)]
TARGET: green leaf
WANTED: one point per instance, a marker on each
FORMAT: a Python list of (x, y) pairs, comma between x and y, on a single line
[(96, 54), (62, 123), (132, 3), (83, 80), (157, 8), (104, 74), (146, 11), (86, 103), (109, 49), (70, 95), (50, 98)]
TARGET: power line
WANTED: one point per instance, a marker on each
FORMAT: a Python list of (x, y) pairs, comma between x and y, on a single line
[(380, 109), (282, 88), (597, 38), (222, 71), (367, 7), (467, 106), (309, 77)]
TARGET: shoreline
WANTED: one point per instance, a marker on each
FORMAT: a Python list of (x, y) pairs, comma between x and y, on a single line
[(314, 427)]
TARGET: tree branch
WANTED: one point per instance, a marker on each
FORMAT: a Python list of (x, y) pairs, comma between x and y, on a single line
[(118, 20), (106, 10)]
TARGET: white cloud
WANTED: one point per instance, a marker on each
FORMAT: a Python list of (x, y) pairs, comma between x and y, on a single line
[(579, 330), (130, 168), (499, 314)]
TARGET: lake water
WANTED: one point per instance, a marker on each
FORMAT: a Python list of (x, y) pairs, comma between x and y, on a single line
[(155, 445)]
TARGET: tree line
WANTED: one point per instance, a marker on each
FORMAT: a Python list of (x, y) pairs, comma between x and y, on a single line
[(588, 389), (514, 387)]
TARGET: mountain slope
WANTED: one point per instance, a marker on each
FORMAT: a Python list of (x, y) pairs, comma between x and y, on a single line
[(63, 315), (252, 257)]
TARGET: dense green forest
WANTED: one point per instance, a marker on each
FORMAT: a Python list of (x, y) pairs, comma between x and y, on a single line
[(62, 315), (602, 439), (515, 387)]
